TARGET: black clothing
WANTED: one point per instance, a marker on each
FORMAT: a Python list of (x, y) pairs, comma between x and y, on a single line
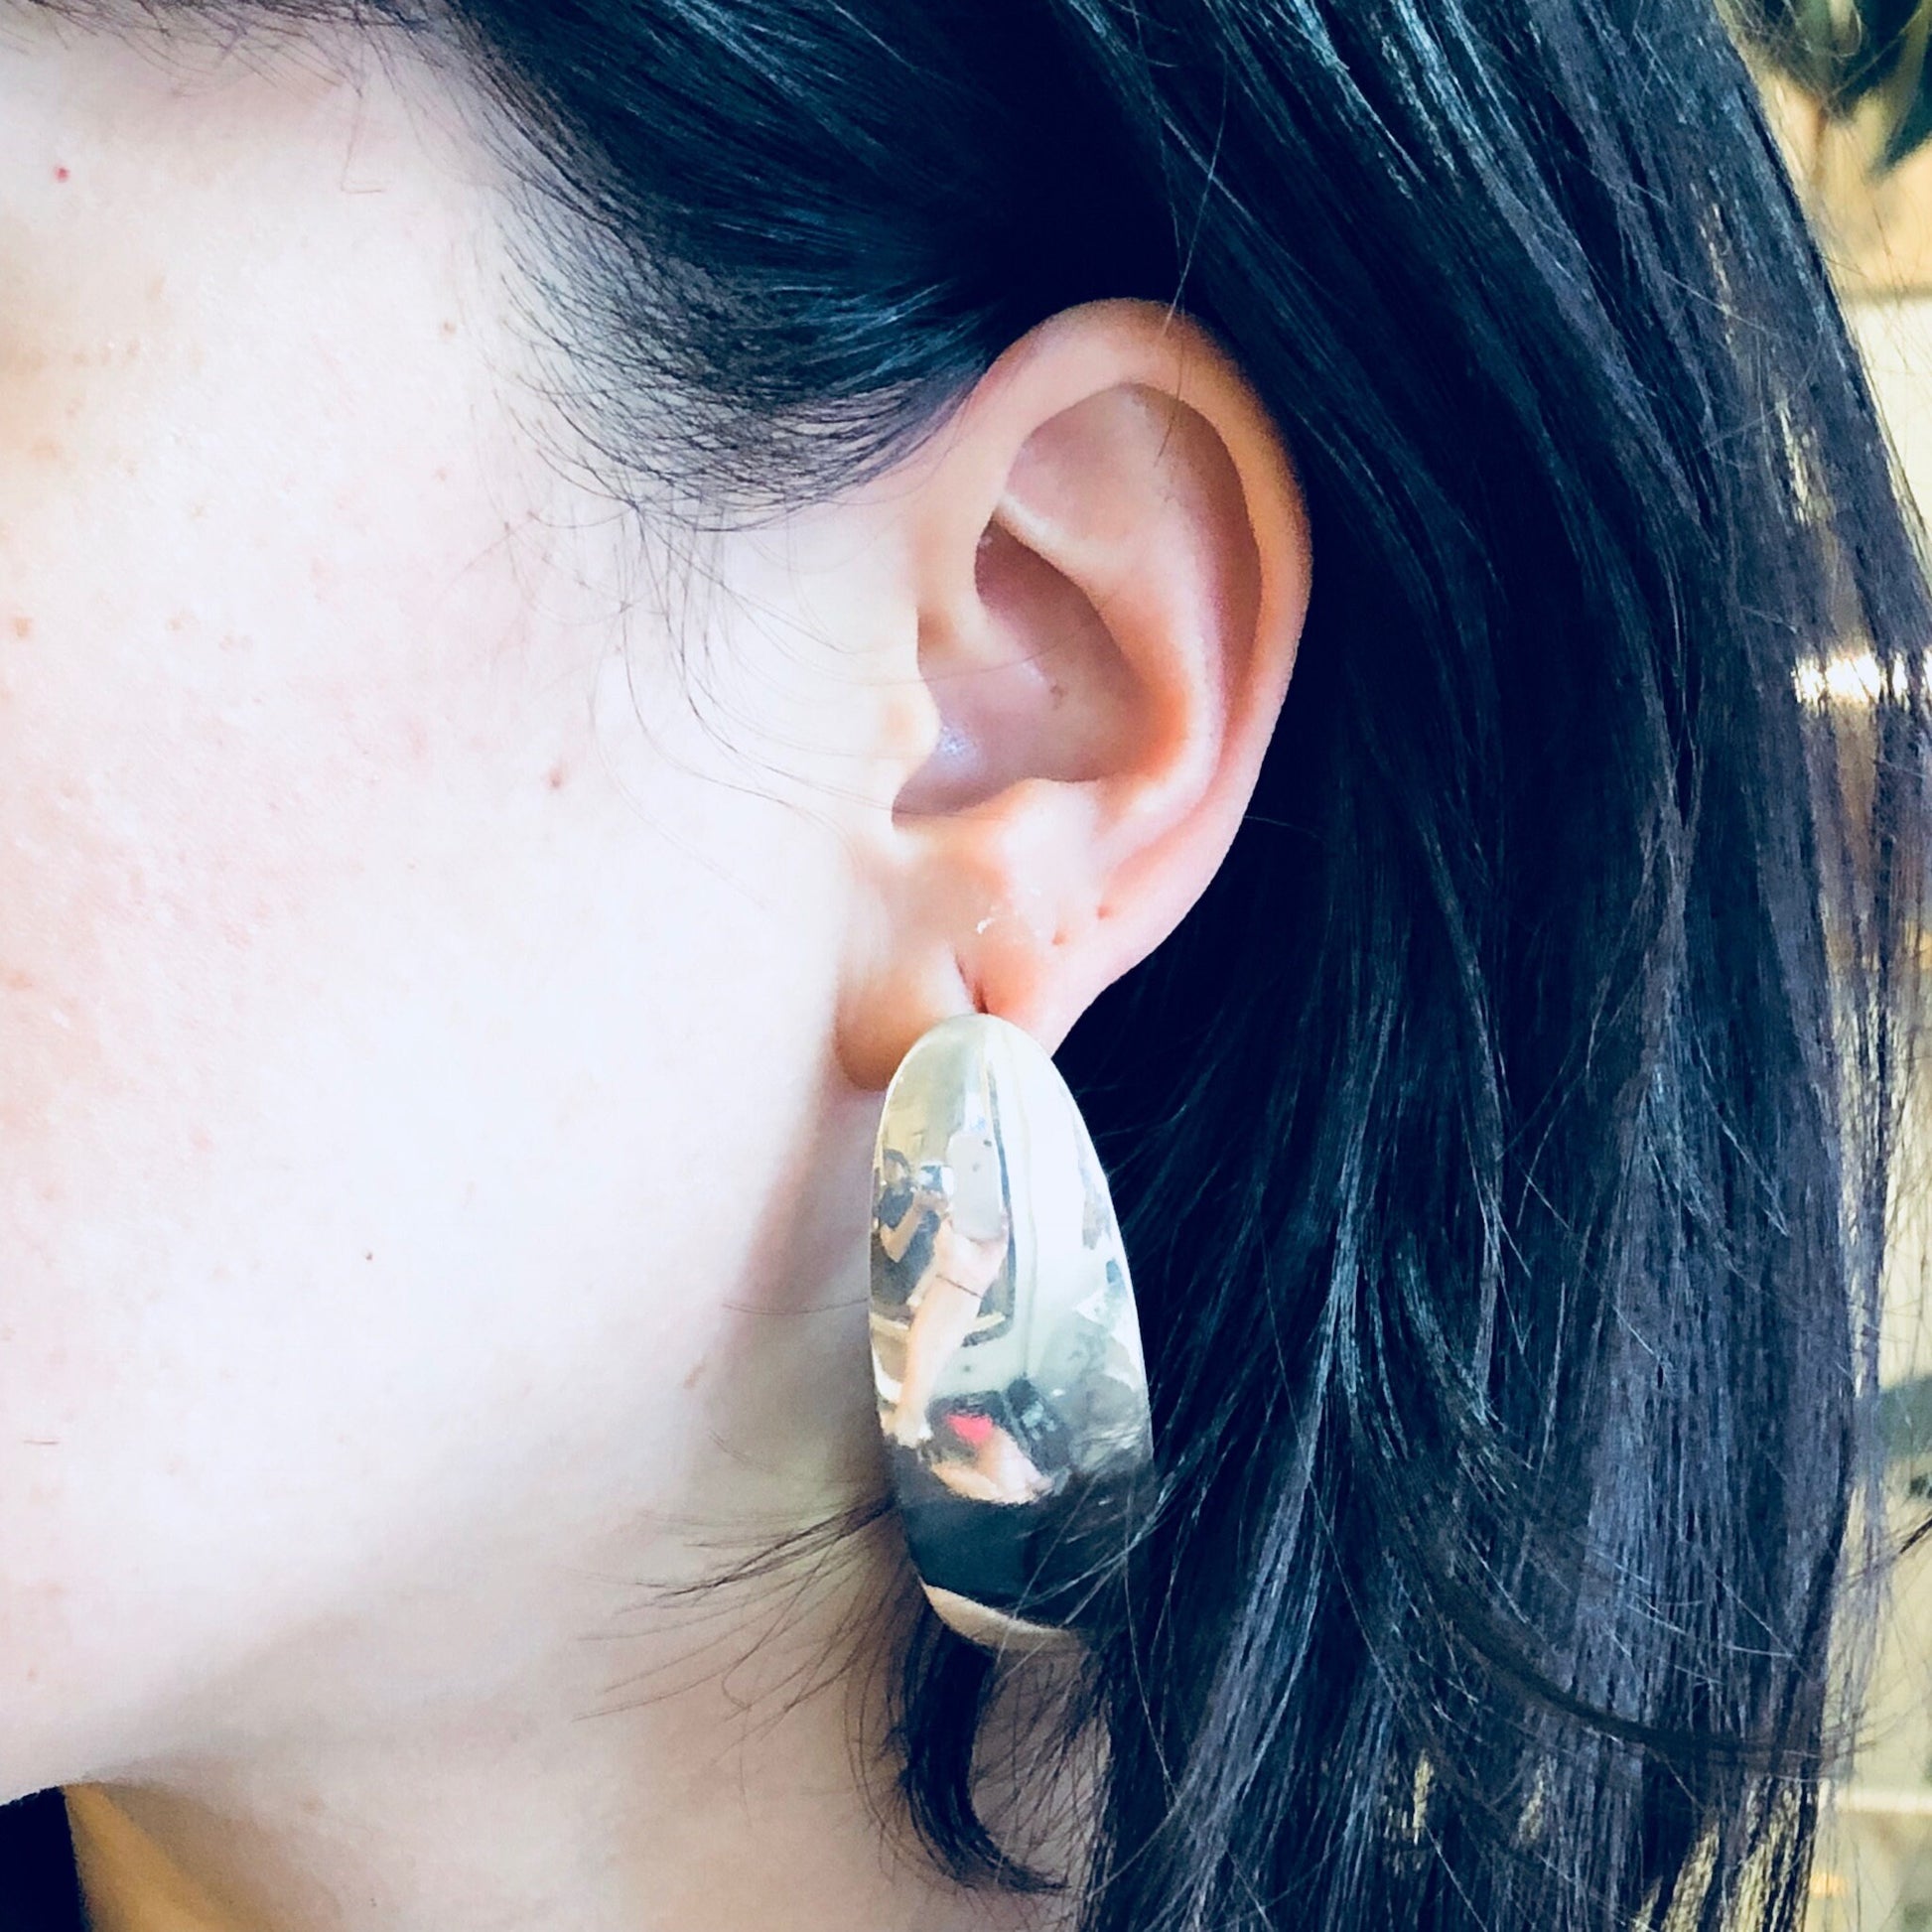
[(39, 1888)]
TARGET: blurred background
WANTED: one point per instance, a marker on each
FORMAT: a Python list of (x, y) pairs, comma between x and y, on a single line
[(1848, 87)]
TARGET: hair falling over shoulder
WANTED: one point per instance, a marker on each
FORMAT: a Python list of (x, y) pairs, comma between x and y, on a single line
[(1502, 1143)]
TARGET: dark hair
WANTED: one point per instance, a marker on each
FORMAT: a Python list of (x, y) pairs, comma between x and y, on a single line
[(1502, 1141)]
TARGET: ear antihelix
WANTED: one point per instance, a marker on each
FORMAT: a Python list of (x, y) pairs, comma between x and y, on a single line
[(1005, 1345)]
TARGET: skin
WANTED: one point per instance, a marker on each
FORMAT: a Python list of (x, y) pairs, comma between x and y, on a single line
[(441, 1036)]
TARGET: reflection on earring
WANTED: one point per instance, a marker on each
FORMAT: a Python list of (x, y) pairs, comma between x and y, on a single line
[(1005, 1348)]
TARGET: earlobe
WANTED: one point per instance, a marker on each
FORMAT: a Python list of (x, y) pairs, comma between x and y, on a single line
[(1112, 565)]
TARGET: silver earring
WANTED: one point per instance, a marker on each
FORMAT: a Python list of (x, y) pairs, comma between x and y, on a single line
[(1006, 1347)]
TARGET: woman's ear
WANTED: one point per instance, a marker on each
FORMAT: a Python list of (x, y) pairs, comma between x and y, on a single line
[(1110, 559)]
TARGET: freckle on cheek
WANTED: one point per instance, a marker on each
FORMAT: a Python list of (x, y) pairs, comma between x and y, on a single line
[(23, 627)]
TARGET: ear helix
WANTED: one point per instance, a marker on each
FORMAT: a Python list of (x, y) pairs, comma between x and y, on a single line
[(1006, 1347)]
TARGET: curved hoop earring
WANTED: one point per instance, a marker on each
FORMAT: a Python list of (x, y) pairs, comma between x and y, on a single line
[(1006, 1346)]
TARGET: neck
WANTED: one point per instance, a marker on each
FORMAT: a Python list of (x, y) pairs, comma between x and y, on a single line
[(717, 1783)]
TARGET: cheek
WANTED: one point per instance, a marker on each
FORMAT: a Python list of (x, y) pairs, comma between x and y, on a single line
[(299, 955), (232, 836), (172, 891), (188, 799), (143, 860), (363, 1053), (390, 1036)]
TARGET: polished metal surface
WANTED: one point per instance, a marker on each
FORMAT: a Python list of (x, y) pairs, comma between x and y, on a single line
[(1005, 1348)]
